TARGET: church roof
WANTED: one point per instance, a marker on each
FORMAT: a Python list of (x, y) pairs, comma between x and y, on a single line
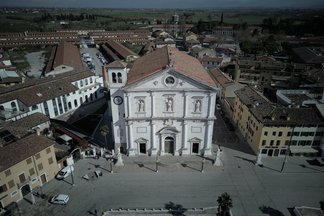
[(117, 64), (169, 57)]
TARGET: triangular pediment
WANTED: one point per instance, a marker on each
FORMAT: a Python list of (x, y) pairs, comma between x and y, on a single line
[(195, 139), (168, 130), (141, 140), (159, 81)]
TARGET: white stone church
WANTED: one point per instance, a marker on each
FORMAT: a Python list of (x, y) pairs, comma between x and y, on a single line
[(163, 104)]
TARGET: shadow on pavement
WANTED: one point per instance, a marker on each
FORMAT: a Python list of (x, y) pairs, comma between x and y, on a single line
[(315, 162), (308, 167), (141, 165), (246, 159), (270, 211), (186, 165)]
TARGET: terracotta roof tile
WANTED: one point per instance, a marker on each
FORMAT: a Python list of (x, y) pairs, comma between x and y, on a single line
[(22, 149), (67, 54), (38, 91), (24, 126), (122, 50), (117, 64), (169, 57), (221, 78)]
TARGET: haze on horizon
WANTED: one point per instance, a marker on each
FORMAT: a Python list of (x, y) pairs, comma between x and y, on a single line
[(165, 3)]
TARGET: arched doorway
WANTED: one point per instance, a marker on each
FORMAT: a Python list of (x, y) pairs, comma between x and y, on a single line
[(169, 145), (25, 190)]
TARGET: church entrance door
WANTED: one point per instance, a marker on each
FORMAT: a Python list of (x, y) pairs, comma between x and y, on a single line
[(195, 148), (169, 145), (142, 147)]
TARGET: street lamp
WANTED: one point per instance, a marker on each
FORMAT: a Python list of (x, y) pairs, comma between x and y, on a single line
[(157, 163), (111, 166), (202, 165), (287, 151), (72, 177)]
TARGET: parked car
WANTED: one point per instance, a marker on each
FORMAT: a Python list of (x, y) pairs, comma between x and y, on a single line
[(218, 106), (61, 199), (65, 172)]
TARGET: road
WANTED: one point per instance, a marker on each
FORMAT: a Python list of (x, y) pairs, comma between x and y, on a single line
[(92, 52)]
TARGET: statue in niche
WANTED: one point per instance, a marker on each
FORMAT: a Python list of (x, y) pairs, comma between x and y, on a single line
[(169, 104), (141, 106), (197, 106)]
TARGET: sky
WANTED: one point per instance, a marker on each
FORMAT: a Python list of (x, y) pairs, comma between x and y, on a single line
[(164, 3)]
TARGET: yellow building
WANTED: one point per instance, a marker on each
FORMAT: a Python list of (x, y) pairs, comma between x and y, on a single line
[(271, 129), (25, 164)]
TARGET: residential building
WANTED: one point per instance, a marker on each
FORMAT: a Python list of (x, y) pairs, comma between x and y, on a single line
[(52, 96), (8, 39), (226, 88), (64, 57), (25, 165), (163, 104), (273, 130), (266, 71), (116, 51), (309, 55)]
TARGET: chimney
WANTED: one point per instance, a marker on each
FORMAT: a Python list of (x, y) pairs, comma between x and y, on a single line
[(38, 131), (105, 76)]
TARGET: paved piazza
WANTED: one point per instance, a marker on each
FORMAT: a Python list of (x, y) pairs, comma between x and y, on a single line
[(180, 182)]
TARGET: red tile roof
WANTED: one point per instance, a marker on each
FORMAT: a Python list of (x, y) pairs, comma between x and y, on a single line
[(67, 54), (22, 149), (221, 78), (169, 57), (37, 91), (117, 64)]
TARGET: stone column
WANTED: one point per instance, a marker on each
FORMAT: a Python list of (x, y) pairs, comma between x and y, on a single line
[(185, 104), (152, 104), (154, 148), (185, 149), (129, 105), (211, 103), (131, 149), (208, 141)]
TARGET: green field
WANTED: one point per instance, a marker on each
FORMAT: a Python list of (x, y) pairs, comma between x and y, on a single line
[(20, 20)]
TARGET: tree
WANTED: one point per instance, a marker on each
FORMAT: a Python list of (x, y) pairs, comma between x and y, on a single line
[(224, 204), (104, 130)]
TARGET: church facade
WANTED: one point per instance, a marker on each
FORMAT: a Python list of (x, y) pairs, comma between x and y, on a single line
[(163, 104)]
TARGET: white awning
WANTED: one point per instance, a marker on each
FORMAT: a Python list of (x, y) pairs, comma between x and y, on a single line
[(65, 137), (295, 150)]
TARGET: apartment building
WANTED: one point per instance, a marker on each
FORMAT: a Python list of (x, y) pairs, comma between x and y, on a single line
[(51, 96), (266, 71), (48, 38), (25, 164), (226, 88), (272, 130)]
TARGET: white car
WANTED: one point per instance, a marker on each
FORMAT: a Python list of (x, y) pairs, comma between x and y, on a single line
[(65, 172), (61, 199)]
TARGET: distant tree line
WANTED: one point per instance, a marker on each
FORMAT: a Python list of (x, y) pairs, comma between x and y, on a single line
[(299, 26), (70, 17), (208, 26)]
